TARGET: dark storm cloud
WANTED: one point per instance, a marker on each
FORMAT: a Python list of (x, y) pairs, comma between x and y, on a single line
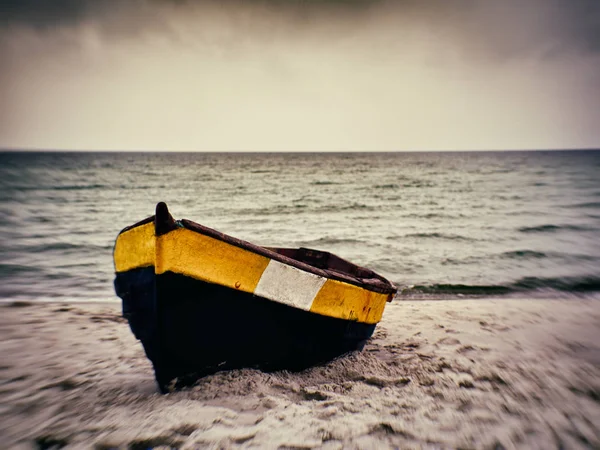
[(43, 13), (118, 18), (47, 13), (501, 27), (584, 18), (299, 74)]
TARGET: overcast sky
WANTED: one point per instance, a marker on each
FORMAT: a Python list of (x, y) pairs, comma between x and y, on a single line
[(278, 75)]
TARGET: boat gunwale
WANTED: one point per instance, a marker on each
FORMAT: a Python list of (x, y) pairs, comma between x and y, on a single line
[(377, 284), (138, 224)]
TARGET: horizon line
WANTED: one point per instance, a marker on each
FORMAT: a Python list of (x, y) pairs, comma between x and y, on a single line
[(37, 150)]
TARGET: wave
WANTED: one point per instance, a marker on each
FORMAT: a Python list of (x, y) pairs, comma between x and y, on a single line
[(532, 254), (329, 241), (550, 228), (324, 183), (432, 215), (449, 237), (386, 186), (298, 207), (521, 255), (419, 184), (585, 205), (79, 187), (74, 187), (507, 197), (16, 269), (565, 284), (524, 254), (452, 289), (66, 247), (350, 207), (576, 284)]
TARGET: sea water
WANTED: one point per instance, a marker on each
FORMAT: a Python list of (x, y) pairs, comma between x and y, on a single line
[(439, 225)]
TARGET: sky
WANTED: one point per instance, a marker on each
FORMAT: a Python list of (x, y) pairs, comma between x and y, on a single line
[(277, 75)]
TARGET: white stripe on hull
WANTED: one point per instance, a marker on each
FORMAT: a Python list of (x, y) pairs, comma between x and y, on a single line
[(289, 285)]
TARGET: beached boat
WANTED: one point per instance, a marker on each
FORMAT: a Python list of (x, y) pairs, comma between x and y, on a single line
[(201, 301)]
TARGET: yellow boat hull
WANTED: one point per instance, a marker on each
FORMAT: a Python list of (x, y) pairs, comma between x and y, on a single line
[(202, 301)]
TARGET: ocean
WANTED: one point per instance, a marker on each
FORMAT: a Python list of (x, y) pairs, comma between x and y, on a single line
[(439, 225)]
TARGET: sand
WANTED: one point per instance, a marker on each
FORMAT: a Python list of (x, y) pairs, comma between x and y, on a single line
[(437, 374)]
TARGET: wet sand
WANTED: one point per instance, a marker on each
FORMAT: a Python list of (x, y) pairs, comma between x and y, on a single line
[(437, 374)]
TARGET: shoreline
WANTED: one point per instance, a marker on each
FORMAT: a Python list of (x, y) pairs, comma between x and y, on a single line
[(478, 373), (517, 297)]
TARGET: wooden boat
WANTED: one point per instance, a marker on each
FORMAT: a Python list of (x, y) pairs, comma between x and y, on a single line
[(201, 301)]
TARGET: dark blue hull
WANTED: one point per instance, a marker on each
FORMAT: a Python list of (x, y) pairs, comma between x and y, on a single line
[(190, 328)]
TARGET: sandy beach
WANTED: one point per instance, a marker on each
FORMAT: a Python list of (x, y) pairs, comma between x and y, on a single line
[(437, 374)]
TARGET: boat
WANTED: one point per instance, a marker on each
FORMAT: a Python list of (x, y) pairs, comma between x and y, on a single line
[(201, 301)]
